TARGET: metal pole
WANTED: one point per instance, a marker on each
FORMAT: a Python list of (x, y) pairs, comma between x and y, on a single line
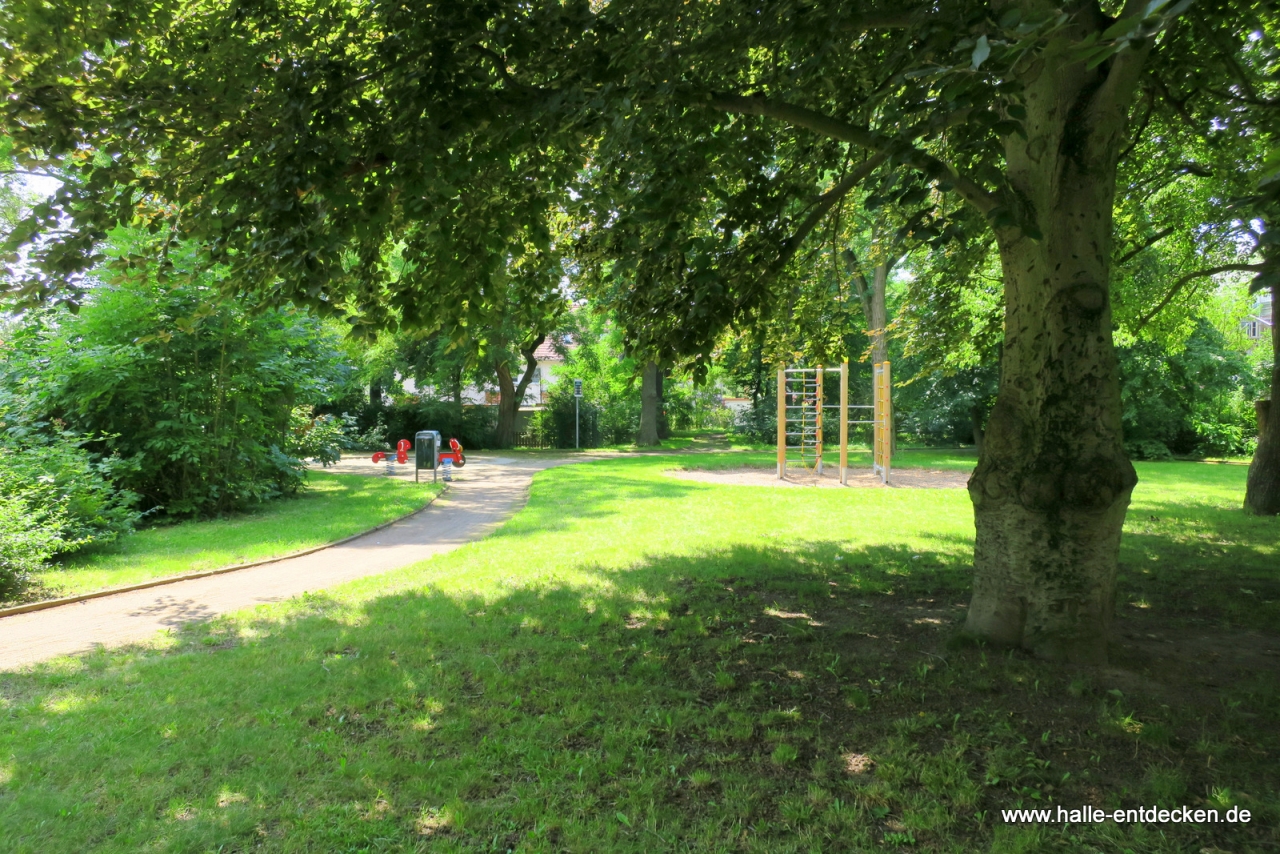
[(575, 423), (844, 423), (782, 421)]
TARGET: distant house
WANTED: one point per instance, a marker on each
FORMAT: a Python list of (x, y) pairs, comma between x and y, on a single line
[(1258, 324)]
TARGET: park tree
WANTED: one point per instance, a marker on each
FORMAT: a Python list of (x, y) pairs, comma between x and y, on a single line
[(299, 139)]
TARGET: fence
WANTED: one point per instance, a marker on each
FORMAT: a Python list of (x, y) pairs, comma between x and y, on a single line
[(530, 439)]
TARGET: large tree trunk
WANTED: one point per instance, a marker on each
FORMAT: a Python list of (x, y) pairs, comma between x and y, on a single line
[(511, 394), (878, 318), (1262, 494), (1053, 482), (650, 404)]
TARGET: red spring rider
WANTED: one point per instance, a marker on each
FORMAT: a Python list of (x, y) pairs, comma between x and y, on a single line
[(454, 453), (402, 453)]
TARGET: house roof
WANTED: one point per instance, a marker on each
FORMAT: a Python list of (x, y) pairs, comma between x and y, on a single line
[(547, 352)]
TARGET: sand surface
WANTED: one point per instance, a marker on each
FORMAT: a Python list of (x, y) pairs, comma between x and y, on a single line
[(899, 478)]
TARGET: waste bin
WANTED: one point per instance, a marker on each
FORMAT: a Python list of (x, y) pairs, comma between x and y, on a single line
[(426, 452)]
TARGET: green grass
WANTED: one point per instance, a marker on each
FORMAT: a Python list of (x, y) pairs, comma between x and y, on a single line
[(639, 663), (330, 508)]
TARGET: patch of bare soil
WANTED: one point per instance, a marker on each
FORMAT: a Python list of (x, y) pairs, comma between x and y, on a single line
[(899, 478)]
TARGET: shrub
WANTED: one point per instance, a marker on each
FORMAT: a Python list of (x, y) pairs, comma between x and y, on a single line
[(557, 423), (29, 536), (192, 392), (377, 427), (1148, 449), (46, 466), (63, 474), (759, 423), (318, 437)]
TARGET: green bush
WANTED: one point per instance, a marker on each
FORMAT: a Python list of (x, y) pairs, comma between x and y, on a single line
[(191, 393), (759, 424), (62, 474), (1198, 400), (46, 466), (379, 427), (1148, 449), (317, 437), (29, 536), (557, 422)]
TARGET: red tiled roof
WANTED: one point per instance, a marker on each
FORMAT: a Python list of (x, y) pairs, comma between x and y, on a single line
[(546, 352)]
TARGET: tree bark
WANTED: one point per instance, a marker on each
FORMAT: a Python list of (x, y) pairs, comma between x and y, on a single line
[(879, 317), (375, 393), (511, 393), (650, 404), (1053, 483), (1262, 493)]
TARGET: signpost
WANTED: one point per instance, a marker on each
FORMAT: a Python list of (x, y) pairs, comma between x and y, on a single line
[(577, 395)]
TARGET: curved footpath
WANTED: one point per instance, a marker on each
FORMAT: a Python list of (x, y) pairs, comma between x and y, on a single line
[(482, 496)]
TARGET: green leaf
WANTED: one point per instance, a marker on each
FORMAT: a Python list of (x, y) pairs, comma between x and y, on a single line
[(1122, 27), (981, 51), (1103, 54), (1011, 18)]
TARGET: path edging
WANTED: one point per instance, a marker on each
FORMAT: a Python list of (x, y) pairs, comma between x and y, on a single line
[(174, 579)]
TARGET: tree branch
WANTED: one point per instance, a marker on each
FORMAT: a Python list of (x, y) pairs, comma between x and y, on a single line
[(1181, 283), (859, 281), (1142, 128), (530, 364), (500, 65), (1146, 244), (864, 137), (882, 21), (825, 202)]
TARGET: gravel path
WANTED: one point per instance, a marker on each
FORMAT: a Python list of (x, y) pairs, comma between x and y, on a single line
[(483, 495)]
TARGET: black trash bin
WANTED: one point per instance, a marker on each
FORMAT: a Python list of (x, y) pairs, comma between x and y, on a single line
[(426, 452)]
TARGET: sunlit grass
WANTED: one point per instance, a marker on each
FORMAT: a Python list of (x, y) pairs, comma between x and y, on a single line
[(640, 663), (330, 508)]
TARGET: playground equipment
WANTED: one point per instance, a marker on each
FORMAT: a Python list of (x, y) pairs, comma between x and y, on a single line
[(401, 456), (426, 453), (800, 417), (454, 454)]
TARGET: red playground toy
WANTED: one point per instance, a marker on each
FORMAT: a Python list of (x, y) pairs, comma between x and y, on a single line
[(454, 453), (403, 447)]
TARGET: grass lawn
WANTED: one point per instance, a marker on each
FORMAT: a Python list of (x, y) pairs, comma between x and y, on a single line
[(640, 663), (330, 508)]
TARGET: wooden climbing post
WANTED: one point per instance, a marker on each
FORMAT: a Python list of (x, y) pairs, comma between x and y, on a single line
[(782, 422), (817, 466), (844, 423), (882, 444)]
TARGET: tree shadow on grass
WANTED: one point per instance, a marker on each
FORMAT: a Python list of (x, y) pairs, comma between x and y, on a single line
[(747, 698)]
